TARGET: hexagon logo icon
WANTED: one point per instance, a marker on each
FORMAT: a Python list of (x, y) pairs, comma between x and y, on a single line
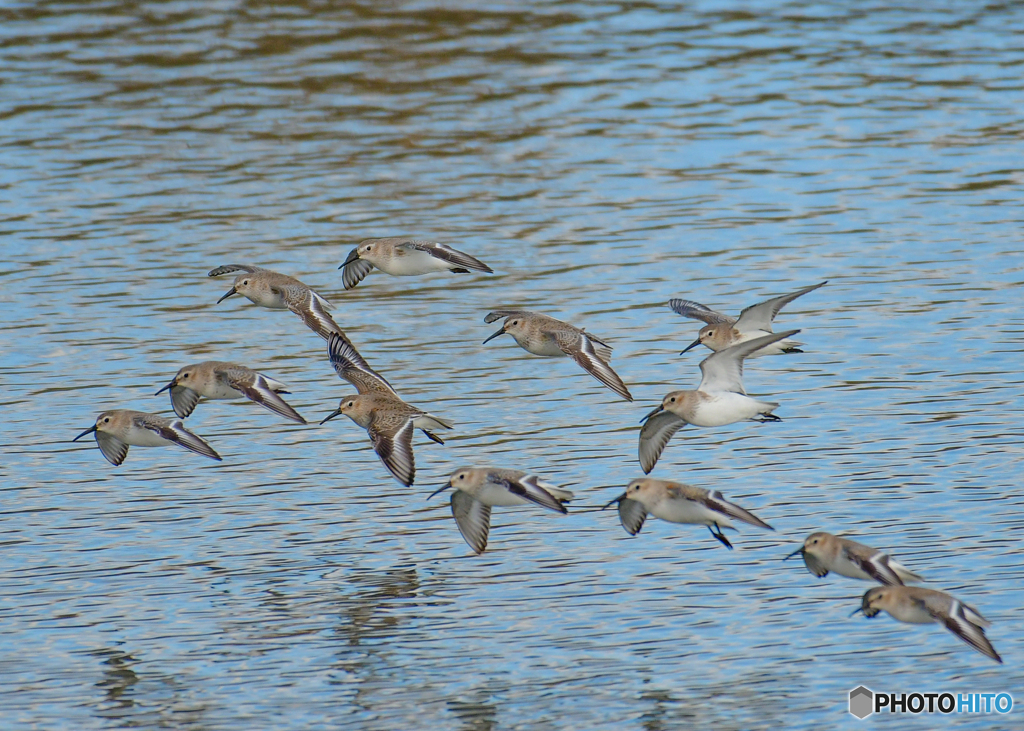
[(862, 702)]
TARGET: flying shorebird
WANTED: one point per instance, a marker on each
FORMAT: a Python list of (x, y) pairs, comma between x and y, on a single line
[(543, 335), (118, 429), (402, 257), (917, 605), (388, 420), (215, 379), (824, 552), (717, 401), (277, 291), (679, 503), (722, 331), (478, 489)]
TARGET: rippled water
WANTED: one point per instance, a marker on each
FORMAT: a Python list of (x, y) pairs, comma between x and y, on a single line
[(602, 158)]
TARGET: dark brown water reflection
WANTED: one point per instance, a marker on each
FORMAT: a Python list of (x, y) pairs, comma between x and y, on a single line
[(602, 158)]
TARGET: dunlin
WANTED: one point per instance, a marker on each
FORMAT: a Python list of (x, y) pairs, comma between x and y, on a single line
[(390, 422), (277, 291), (723, 331), (543, 335), (215, 379), (353, 368), (915, 605), (824, 552), (401, 257), (679, 503), (478, 489), (718, 400), (118, 429)]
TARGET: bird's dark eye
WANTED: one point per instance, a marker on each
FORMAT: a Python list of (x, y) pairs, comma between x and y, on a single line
[(106, 419), (461, 477), (184, 375), (672, 400), (245, 281), (515, 322)]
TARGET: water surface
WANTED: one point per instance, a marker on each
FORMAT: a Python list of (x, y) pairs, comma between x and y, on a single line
[(602, 158)]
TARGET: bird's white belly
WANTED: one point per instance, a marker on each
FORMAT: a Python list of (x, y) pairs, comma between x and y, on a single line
[(498, 496), (268, 299), (845, 567), (546, 346), (412, 263), (688, 511), (138, 437), (726, 407), (219, 390), (912, 614)]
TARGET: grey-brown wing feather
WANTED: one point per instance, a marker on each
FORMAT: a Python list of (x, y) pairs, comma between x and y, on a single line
[(966, 630), (312, 308), (391, 435), (718, 502), (558, 493), (183, 400), (228, 268), (632, 515), (579, 347), (761, 315), (354, 270), (654, 435), (351, 366), (261, 392), (499, 314), (530, 490), (340, 349), (603, 349), (176, 432), (368, 381), (697, 311), (723, 370), (876, 566), (446, 253), (815, 566), (112, 448), (973, 615), (473, 519)]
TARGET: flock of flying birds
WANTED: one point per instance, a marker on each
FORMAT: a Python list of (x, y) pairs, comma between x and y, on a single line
[(389, 421)]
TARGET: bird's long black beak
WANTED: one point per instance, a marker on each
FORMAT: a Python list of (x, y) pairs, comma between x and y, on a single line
[(172, 384), (352, 256), (500, 332), (858, 609), (231, 292), (799, 550), (90, 430), (654, 412), (443, 487), (694, 344), (336, 412), (619, 499)]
